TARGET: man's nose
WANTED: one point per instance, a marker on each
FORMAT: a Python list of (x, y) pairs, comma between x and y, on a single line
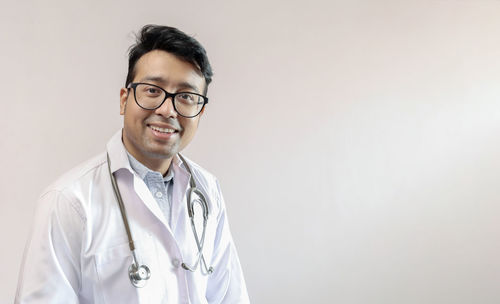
[(167, 108)]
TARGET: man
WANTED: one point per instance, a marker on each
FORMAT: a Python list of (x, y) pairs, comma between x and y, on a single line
[(85, 248)]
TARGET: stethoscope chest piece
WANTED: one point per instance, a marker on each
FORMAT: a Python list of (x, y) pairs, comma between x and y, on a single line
[(138, 275)]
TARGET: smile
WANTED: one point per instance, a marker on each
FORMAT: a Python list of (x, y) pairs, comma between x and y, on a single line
[(162, 130)]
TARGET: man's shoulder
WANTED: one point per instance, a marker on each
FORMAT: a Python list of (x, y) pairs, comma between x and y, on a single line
[(199, 170), (78, 175)]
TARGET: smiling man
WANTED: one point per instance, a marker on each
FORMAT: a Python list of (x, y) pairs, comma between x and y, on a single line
[(139, 223), (154, 134)]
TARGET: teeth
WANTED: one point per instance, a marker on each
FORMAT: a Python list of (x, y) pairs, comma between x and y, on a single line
[(162, 130)]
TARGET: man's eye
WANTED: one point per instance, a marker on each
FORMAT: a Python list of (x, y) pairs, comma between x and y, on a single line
[(153, 91), (186, 96)]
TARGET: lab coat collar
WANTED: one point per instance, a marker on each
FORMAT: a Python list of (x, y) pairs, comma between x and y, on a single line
[(117, 153)]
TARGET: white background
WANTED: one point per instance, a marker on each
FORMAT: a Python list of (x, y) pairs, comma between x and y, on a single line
[(357, 142)]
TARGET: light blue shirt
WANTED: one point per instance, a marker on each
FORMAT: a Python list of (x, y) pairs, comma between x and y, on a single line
[(160, 186)]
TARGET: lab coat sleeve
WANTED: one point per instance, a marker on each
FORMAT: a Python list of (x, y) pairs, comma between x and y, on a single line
[(226, 284), (50, 271)]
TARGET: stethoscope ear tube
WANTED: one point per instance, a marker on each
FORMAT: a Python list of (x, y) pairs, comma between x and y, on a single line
[(199, 244), (201, 200), (190, 207)]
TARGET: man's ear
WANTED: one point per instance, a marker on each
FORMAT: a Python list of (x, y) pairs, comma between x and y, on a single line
[(123, 100)]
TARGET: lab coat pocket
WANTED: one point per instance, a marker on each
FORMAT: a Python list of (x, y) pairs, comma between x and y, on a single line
[(112, 269)]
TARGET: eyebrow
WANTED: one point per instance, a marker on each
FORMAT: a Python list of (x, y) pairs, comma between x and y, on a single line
[(163, 81)]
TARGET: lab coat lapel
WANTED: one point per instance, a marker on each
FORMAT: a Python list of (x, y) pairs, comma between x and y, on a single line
[(147, 198), (181, 182)]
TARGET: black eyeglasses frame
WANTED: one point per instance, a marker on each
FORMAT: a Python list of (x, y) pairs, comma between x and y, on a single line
[(134, 85)]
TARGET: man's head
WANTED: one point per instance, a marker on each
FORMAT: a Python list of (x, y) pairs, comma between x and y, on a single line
[(172, 62), (171, 40)]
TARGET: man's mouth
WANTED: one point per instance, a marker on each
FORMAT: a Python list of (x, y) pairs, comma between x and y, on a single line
[(162, 130)]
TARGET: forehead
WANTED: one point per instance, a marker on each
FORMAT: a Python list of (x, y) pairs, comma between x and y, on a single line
[(168, 70)]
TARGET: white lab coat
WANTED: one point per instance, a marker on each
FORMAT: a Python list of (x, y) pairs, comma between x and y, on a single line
[(78, 250)]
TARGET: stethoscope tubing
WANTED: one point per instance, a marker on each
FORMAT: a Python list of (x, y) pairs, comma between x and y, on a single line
[(123, 211), (139, 274)]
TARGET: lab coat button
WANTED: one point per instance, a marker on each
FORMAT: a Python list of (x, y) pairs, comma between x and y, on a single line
[(159, 194), (176, 262)]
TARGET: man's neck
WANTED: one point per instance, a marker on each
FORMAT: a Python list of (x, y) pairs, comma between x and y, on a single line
[(156, 164)]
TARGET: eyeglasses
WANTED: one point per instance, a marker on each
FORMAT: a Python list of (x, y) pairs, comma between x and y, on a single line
[(151, 97)]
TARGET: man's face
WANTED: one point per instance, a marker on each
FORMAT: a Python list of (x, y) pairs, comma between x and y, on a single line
[(147, 134)]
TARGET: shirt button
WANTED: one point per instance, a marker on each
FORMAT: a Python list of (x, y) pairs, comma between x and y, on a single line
[(159, 194)]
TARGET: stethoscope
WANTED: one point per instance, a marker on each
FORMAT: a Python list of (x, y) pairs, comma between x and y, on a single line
[(139, 274)]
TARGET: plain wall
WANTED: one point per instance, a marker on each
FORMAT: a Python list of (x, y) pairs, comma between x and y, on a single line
[(357, 142)]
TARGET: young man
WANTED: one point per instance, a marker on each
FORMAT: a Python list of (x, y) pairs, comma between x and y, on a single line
[(169, 242)]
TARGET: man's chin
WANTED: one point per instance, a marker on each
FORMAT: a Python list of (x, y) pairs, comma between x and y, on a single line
[(162, 153)]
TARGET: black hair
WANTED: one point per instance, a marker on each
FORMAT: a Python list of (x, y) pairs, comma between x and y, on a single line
[(171, 40)]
